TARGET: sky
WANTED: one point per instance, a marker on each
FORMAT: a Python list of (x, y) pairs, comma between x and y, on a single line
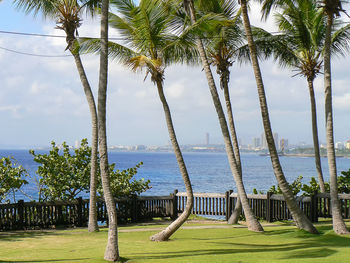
[(41, 99)]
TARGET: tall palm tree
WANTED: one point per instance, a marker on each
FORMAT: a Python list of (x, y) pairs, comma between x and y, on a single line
[(222, 47), (300, 45), (67, 14), (253, 223), (151, 45), (332, 8), (299, 217), (112, 251)]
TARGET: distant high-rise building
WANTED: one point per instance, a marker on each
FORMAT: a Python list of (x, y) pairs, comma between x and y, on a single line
[(207, 138), (256, 142), (347, 145), (263, 142), (283, 144), (339, 145), (275, 138)]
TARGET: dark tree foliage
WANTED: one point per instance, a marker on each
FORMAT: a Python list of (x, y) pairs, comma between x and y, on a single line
[(65, 173), (11, 178)]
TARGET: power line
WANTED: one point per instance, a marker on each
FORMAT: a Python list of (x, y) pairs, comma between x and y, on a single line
[(47, 35), (34, 55), (29, 34)]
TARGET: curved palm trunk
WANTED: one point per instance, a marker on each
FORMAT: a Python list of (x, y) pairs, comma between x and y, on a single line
[(70, 32), (224, 85), (111, 252), (166, 233), (253, 223), (92, 225), (338, 223), (299, 217), (315, 136)]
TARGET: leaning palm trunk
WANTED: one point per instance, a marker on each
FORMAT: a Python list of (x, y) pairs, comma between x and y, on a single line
[(339, 226), (92, 225), (224, 77), (315, 135), (111, 252), (166, 233), (299, 217), (253, 223)]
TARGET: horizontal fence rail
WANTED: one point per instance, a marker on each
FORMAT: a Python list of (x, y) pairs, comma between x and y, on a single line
[(270, 207), (204, 203), (32, 215)]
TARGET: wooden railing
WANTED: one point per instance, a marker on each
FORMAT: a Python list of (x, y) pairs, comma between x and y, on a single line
[(270, 207), (31, 215), (324, 205), (204, 203)]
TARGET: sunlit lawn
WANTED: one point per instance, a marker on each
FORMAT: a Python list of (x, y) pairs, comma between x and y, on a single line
[(281, 243)]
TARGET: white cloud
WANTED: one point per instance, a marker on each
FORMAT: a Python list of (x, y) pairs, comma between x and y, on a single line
[(342, 102), (175, 90), (46, 94), (36, 88)]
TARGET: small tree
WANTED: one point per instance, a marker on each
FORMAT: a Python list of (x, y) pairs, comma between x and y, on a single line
[(123, 184), (64, 175), (11, 177)]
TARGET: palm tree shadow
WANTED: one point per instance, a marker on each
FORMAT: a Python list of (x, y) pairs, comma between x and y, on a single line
[(19, 235), (47, 260)]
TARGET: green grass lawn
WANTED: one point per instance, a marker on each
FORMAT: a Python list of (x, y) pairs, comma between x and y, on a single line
[(279, 243)]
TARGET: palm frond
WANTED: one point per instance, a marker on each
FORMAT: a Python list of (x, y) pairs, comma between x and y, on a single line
[(341, 40), (117, 52), (269, 5), (46, 7)]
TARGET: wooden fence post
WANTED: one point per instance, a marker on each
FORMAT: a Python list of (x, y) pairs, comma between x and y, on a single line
[(20, 210), (228, 205), (313, 207), (268, 207), (174, 212), (80, 212), (134, 210)]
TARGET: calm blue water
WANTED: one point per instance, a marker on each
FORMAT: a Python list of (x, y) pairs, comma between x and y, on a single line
[(209, 172)]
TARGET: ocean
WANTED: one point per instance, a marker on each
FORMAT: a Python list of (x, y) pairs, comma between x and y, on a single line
[(209, 172)]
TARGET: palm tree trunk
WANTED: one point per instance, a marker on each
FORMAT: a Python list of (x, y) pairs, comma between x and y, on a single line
[(224, 85), (166, 233), (299, 217), (339, 226), (315, 135), (70, 39), (253, 223), (92, 225), (111, 252)]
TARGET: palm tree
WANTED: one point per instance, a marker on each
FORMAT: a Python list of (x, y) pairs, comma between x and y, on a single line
[(151, 45), (300, 45), (299, 217), (332, 8), (112, 251), (253, 223), (222, 47), (67, 14)]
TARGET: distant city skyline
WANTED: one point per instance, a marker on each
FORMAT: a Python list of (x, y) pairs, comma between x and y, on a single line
[(41, 99)]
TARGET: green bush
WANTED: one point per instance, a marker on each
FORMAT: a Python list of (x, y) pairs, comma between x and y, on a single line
[(11, 178), (64, 174)]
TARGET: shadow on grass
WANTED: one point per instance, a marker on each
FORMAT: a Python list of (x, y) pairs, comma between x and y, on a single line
[(296, 248), (299, 244), (18, 235), (47, 260)]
